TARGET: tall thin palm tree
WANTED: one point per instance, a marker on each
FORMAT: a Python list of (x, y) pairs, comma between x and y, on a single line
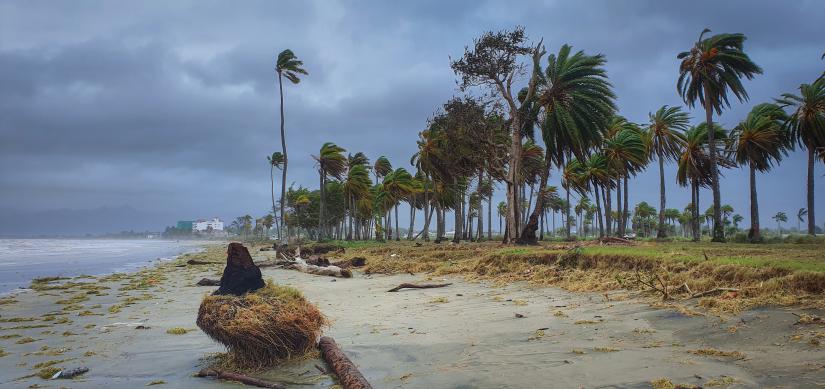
[(800, 217), (694, 166), (275, 161), (287, 65), (712, 68), (807, 125), (331, 162), (666, 137), (759, 141), (780, 218)]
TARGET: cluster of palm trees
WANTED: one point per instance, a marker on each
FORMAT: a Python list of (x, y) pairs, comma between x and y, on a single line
[(471, 144)]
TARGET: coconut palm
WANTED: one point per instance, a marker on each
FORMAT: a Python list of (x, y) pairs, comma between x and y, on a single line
[(800, 217), (578, 103), (780, 218), (759, 141), (807, 127), (287, 65), (665, 136), (398, 185), (331, 162), (694, 166), (713, 68), (627, 153), (502, 212)]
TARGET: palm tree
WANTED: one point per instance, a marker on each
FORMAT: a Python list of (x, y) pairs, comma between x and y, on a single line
[(627, 151), (665, 136), (807, 126), (780, 218), (800, 217), (712, 68), (759, 141), (398, 184), (331, 162), (301, 203), (578, 104), (287, 66), (275, 161), (502, 212)]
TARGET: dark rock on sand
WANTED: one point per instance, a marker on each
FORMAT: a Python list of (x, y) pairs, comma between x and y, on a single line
[(208, 282), (240, 275)]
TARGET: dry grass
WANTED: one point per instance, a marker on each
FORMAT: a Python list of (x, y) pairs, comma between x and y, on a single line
[(761, 278), (177, 331), (712, 352), (263, 327)]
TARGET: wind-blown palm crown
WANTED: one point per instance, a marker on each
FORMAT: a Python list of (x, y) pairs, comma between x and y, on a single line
[(290, 66), (760, 140), (578, 102), (331, 160), (665, 131)]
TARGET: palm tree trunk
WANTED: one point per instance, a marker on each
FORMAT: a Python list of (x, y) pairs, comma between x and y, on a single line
[(619, 225), (412, 221), (753, 234), (718, 230), (811, 221), (528, 235), (541, 226), (598, 209), (608, 210), (283, 148), (397, 236), (459, 222), (567, 213), (512, 179), (490, 210), (625, 206), (321, 224), (661, 232), (427, 212), (697, 232)]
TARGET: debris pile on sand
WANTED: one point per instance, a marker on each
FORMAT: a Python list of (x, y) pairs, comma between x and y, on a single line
[(262, 327)]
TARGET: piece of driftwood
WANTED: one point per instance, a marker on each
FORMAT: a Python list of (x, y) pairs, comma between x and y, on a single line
[(343, 367), (244, 379), (198, 262), (208, 282), (333, 271), (417, 286), (713, 291), (615, 239), (71, 373)]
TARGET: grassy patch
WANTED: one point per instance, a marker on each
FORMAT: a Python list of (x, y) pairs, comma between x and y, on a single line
[(156, 382), (25, 340), (48, 372), (16, 319), (439, 300), (712, 352), (7, 300), (177, 331)]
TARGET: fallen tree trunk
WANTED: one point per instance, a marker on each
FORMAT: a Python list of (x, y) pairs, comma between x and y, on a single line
[(352, 262), (198, 262), (208, 282), (417, 286), (343, 367), (244, 379), (333, 271)]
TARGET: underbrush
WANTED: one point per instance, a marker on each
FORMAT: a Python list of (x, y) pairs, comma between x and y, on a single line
[(604, 268)]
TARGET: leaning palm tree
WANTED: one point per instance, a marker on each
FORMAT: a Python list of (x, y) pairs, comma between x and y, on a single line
[(709, 71), (807, 125), (288, 66), (780, 218), (578, 103), (331, 162), (626, 148), (275, 161), (398, 184), (800, 217), (759, 141), (665, 136)]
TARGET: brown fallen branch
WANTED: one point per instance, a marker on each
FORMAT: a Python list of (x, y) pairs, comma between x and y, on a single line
[(197, 262), (713, 291), (343, 367), (417, 286), (615, 239), (208, 282), (244, 379), (333, 271)]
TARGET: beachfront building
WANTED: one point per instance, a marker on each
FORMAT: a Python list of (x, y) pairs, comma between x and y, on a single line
[(203, 225)]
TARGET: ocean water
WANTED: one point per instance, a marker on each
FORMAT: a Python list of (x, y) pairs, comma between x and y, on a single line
[(22, 260)]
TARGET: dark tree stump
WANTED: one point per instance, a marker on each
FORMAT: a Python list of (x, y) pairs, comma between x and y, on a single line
[(240, 275)]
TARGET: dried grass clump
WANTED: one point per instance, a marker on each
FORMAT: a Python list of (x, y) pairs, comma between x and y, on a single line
[(263, 327)]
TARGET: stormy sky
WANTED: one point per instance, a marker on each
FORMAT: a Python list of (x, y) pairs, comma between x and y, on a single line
[(121, 115)]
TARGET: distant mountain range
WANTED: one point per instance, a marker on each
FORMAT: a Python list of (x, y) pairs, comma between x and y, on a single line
[(80, 222)]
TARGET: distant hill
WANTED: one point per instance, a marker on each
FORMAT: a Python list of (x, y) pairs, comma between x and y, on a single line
[(79, 222)]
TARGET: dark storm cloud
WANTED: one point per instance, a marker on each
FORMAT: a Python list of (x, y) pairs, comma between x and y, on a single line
[(172, 107)]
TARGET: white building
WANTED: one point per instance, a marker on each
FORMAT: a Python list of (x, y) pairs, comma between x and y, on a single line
[(207, 225)]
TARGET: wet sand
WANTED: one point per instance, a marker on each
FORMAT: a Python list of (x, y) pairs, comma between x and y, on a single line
[(466, 335)]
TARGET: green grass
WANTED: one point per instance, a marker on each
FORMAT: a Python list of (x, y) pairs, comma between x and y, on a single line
[(807, 257)]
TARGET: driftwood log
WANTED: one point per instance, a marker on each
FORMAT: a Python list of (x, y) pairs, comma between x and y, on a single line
[(71, 373), (244, 379), (199, 262), (333, 271), (343, 367), (352, 262), (417, 286), (208, 282)]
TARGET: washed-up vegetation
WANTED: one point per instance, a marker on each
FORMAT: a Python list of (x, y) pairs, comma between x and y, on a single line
[(263, 327)]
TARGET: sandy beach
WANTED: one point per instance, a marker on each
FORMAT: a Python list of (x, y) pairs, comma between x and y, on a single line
[(465, 335)]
